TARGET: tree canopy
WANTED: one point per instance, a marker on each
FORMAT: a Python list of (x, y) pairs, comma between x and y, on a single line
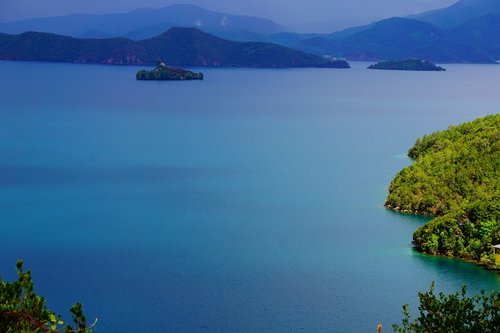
[(453, 313), (455, 176)]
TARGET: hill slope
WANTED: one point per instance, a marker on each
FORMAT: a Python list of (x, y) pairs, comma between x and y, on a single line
[(482, 33), (399, 38), (459, 13), (456, 177), (177, 46)]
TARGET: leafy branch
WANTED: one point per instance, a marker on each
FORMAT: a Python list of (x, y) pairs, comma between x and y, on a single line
[(22, 311)]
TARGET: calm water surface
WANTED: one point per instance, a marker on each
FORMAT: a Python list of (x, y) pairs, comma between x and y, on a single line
[(248, 202)]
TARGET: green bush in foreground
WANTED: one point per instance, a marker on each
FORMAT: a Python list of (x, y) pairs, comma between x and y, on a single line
[(22, 311), (454, 313), (455, 177)]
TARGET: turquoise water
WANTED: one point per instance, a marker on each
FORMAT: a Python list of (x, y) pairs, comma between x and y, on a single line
[(247, 202)]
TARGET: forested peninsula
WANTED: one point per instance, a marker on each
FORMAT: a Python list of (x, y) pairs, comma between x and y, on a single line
[(455, 177), (177, 46)]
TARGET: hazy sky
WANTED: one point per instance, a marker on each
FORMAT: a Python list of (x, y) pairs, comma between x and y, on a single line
[(283, 11)]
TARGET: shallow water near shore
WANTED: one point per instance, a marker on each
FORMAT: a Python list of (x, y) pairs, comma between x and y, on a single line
[(251, 201)]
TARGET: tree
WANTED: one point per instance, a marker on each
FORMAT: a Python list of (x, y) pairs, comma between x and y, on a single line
[(454, 313), (22, 311), (455, 177)]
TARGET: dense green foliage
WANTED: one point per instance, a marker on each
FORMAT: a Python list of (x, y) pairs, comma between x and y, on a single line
[(407, 65), (162, 72), (454, 313), (456, 177), (178, 46), (22, 311)]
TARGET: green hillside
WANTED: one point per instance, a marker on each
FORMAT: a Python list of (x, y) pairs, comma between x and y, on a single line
[(455, 177)]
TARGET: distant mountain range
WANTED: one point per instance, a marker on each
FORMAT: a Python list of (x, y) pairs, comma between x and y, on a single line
[(459, 13), (178, 47), (466, 32), (144, 23), (402, 38), (482, 33)]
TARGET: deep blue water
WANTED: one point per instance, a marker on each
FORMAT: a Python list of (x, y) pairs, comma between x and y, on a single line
[(247, 202)]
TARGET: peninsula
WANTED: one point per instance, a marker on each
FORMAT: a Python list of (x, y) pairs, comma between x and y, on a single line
[(178, 47), (455, 177), (164, 72), (407, 65)]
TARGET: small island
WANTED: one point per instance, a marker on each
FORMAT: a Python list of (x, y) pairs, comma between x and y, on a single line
[(164, 72), (408, 65), (337, 63)]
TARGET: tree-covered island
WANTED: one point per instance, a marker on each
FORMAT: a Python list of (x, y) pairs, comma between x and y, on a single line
[(407, 65), (164, 72), (455, 177)]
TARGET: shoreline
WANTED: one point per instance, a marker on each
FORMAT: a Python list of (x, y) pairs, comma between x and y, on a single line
[(423, 214)]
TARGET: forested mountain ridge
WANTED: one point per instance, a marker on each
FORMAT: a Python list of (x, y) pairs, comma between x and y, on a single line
[(402, 38), (177, 46), (465, 32)]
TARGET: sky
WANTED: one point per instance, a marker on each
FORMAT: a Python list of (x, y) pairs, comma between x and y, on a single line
[(288, 12)]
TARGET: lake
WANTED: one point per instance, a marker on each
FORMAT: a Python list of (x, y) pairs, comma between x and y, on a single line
[(249, 202)]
